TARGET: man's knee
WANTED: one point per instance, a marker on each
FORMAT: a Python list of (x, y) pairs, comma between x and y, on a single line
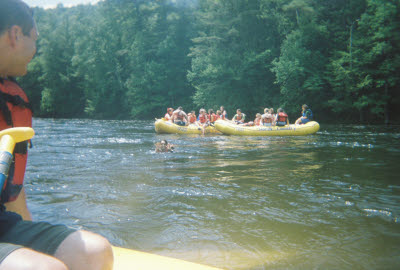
[(98, 247), (85, 248), (27, 259)]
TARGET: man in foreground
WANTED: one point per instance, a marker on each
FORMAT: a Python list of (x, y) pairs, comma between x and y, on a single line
[(25, 244)]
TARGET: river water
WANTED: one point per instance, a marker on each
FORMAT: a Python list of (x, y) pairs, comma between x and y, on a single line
[(325, 201)]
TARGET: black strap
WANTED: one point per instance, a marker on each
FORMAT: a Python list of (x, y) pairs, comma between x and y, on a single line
[(20, 148), (15, 100), (5, 110)]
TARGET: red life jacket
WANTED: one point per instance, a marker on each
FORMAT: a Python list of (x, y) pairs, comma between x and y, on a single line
[(192, 119), (15, 111), (268, 118), (282, 117), (202, 118), (217, 117), (212, 117)]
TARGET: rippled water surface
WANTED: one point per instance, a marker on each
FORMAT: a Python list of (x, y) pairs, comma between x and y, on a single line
[(326, 201)]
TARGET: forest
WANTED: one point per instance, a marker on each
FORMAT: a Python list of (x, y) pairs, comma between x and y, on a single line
[(132, 59)]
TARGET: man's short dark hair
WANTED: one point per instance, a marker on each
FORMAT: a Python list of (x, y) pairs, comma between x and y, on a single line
[(16, 12)]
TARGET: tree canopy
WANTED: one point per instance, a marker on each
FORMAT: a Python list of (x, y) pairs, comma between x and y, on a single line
[(124, 59)]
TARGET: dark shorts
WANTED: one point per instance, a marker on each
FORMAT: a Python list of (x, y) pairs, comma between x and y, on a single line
[(180, 123), (39, 236)]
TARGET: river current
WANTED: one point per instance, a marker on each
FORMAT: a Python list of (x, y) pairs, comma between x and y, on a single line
[(325, 201)]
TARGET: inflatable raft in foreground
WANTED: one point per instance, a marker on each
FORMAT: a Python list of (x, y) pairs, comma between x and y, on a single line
[(230, 128), (127, 259), (163, 126)]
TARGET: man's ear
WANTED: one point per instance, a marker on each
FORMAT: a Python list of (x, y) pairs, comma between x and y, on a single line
[(14, 33)]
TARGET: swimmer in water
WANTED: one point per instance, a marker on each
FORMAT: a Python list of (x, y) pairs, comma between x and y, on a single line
[(164, 146)]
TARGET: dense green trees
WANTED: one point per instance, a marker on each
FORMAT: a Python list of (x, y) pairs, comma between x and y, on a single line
[(232, 56), (364, 75), (133, 59)]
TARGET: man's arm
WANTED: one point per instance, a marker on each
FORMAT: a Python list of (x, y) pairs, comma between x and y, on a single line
[(19, 206), (186, 117)]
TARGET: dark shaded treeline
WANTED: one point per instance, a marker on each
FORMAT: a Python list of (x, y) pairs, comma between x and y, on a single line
[(132, 59)]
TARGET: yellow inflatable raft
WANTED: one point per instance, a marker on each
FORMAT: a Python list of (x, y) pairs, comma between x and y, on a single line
[(163, 126), (230, 128), (127, 259)]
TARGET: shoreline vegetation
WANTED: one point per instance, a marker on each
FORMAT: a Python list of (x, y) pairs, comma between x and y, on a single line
[(134, 59)]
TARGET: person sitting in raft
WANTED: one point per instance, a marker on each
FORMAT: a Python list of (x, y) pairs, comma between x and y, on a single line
[(179, 117), (306, 115), (282, 118), (224, 115), (211, 116), (192, 117), (168, 115), (203, 120), (239, 117), (164, 146), (218, 115), (271, 111), (266, 111), (256, 122), (203, 117), (267, 118)]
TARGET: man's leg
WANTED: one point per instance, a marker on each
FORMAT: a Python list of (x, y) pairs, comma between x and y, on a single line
[(27, 259), (85, 250)]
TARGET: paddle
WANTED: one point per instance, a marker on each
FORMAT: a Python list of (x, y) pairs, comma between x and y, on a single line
[(8, 138)]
